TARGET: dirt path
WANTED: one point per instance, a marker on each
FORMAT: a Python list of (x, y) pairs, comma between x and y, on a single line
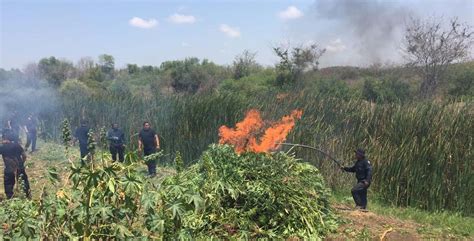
[(371, 226)]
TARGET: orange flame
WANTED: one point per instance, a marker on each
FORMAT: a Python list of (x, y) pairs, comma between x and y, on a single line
[(244, 136)]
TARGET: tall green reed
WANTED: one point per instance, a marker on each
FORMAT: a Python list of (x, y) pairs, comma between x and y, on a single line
[(422, 152)]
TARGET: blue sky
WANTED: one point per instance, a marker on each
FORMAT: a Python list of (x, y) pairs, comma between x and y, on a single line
[(150, 32)]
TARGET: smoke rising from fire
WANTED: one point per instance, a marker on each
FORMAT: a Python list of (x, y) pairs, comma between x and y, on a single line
[(362, 32), (375, 25), (25, 96), (250, 135)]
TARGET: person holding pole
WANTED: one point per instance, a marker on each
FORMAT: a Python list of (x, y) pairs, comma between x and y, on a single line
[(363, 173)]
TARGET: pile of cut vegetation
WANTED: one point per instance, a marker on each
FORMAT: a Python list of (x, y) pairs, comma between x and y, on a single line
[(251, 195)]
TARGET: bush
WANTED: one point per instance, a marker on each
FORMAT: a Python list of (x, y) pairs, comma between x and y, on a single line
[(331, 88), (253, 84), (385, 90), (462, 84)]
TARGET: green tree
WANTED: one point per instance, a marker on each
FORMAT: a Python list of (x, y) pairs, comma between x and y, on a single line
[(132, 68), (89, 71), (244, 64), (107, 65), (147, 68), (94, 74), (191, 75), (432, 47), (294, 62), (55, 71)]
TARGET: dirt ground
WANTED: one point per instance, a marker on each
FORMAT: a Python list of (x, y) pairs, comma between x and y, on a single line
[(368, 225), (358, 225)]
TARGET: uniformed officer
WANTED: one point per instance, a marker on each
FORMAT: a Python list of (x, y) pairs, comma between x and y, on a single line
[(149, 143), (82, 136), (363, 172), (14, 158), (116, 138)]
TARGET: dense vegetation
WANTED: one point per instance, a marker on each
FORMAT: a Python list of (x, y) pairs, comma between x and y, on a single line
[(223, 195), (421, 148), (439, 132)]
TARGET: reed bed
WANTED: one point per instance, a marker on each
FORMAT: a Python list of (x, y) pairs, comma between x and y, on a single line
[(422, 152)]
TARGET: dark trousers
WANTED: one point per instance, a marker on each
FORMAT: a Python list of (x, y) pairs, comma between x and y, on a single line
[(9, 182), (84, 152), (359, 193), (117, 150), (31, 139), (151, 163)]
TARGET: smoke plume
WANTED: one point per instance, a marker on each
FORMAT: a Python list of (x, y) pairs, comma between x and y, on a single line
[(364, 32), (25, 96), (372, 28)]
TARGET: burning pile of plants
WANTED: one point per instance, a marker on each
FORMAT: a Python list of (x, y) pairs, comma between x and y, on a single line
[(251, 195), (242, 190)]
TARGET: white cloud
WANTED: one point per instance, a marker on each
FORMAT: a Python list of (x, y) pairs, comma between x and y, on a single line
[(180, 18), (184, 44), (291, 12), (336, 46), (143, 23), (229, 31)]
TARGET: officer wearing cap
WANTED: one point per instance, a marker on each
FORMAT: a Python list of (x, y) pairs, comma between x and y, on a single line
[(363, 171)]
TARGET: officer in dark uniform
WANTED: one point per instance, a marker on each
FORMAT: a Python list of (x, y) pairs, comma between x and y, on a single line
[(149, 142), (14, 125), (363, 171), (14, 158), (31, 133), (116, 138), (81, 135)]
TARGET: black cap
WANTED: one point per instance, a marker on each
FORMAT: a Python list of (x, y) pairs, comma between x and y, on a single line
[(360, 151)]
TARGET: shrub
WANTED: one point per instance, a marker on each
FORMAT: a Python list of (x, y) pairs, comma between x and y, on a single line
[(385, 90)]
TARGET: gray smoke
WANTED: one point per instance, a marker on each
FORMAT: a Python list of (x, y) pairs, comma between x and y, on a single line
[(25, 96), (369, 27), (364, 32)]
